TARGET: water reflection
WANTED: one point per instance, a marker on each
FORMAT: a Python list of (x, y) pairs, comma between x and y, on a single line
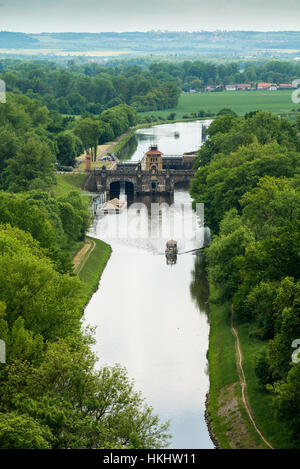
[(164, 136), (151, 316), (199, 287), (128, 149)]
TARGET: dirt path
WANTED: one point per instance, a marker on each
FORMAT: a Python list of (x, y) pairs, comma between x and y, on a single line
[(93, 245), (243, 382), (105, 148), (83, 255)]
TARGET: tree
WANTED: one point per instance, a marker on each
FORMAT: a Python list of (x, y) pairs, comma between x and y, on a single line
[(22, 432), (222, 183), (287, 402), (66, 143), (8, 146), (76, 102), (45, 299), (232, 242), (298, 121), (196, 84), (79, 407), (33, 166), (226, 111), (89, 131)]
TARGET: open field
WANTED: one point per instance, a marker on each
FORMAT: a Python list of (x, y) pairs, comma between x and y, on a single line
[(63, 53), (239, 101)]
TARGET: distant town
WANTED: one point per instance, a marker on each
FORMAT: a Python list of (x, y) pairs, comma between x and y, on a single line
[(248, 87)]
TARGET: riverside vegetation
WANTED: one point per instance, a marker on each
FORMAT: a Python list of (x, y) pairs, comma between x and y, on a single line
[(248, 177), (51, 393)]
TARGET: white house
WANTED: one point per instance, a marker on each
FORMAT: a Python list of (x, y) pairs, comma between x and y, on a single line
[(230, 87)]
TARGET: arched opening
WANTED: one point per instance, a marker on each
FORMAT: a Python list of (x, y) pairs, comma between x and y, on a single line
[(119, 189), (129, 187), (114, 189)]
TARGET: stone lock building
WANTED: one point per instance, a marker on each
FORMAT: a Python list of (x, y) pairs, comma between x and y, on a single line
[(155, 173)]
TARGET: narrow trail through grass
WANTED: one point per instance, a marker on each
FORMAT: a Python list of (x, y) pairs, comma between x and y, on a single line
[(243, 382), (86, 255)]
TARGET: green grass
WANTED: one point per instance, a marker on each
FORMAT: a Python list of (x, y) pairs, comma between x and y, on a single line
[(260, 401), (223, 372), (91, 271), (239, 101), (93, 268), (66, 183), (222, 368), (73, 247)]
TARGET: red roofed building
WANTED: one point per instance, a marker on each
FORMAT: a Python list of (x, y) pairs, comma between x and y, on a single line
[(153, 159), (267, 86), (285, 86)]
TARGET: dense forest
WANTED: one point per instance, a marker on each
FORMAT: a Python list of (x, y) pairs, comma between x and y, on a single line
[(51, 394), (35, 141), (197, 75), (248, 178), (92, 88)]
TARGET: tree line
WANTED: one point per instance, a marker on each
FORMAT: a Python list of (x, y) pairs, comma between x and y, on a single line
[(75, 89), (198, 74), (35, 142), (248, 177)]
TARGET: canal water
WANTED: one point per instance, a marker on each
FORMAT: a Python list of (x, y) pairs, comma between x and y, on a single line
[(152, 317)]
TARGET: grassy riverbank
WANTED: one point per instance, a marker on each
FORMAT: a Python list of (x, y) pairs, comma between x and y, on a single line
[(229, 421), (94, 264), (94, 260), (66, 183)]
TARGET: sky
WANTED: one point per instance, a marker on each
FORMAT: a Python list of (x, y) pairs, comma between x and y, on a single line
[(144, 15)]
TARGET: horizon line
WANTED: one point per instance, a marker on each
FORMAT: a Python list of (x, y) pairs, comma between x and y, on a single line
[(159, 31)]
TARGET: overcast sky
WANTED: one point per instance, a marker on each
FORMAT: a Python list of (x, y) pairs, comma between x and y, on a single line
[(143, 15)]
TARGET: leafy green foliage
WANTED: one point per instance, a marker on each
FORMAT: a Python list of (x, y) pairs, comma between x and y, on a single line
[(52, 222), (79, 89), (31, 168), (232, 162), (248, 178), (51, 395), (22, 432), (287, 402)]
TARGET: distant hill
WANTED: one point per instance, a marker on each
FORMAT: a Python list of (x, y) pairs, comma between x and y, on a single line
[(217, 43), (10, 40)]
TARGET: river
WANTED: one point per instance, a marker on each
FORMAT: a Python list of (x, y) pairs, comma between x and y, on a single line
[(152, 317)]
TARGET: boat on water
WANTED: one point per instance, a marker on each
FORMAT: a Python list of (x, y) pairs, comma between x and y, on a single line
[(171, 252), (113, 206)]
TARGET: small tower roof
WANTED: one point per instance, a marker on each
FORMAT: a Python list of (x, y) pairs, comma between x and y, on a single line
[(153, 150)]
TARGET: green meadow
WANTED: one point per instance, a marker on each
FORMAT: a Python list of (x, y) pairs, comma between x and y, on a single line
[(239, 101)]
